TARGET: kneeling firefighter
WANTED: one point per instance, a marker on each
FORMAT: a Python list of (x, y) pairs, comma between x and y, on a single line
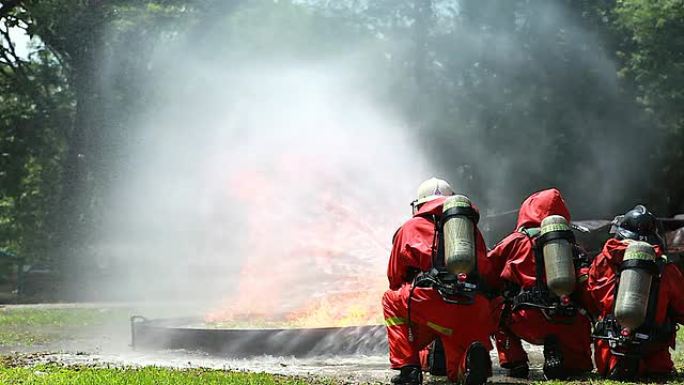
[(436, 290), (640, 298), (542, 281)]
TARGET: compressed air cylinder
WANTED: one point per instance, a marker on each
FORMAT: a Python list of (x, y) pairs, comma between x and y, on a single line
[(558, 260), (459, 238), (631, 302)]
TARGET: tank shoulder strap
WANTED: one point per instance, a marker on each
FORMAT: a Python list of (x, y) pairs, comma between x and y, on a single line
[(437, 238), (649, 323), (438, 245), (533, 233)]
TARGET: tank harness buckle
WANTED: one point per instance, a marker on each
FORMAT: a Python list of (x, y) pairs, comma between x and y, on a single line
[(540, 298), (609, 330), (449, 287)]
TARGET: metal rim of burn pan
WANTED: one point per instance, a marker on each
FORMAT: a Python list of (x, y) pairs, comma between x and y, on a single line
[(176, 334)]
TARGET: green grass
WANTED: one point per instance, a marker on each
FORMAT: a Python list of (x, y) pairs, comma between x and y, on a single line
[(80, 375), (36, 326), (598, 381), (58, 375)]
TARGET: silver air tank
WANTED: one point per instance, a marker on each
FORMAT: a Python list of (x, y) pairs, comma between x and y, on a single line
[(631, 302), (558, 257), (459, 238)]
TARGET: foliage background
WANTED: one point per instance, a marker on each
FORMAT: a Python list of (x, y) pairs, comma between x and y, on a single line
[(507, 97)]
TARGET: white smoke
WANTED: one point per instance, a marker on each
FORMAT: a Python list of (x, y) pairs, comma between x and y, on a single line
[(275, 180)]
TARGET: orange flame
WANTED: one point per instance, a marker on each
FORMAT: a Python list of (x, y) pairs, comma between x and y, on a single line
[(316, 250), (344, 309)]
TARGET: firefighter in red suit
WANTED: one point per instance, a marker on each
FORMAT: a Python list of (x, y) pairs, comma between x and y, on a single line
[(665, 307), (416, 314), (531, 312)]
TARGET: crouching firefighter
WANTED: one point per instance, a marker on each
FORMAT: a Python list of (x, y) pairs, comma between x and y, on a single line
[(543, 285), (436, 290), (640, 298)]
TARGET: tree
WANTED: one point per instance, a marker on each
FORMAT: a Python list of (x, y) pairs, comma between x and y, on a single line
[(36, 108), (653, 54), (521, 95), (74, 46)]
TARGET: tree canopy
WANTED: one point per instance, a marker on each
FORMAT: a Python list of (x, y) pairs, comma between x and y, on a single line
[(507, 97)]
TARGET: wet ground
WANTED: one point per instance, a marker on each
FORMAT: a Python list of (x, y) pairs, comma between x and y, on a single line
[(350, 369), (108, 345)]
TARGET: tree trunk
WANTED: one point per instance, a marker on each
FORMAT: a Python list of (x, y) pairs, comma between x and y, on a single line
[(82, 173)]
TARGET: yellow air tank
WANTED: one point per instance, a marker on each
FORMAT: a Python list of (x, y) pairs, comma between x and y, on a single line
[(631, 302), (558, 257), (459, 238)]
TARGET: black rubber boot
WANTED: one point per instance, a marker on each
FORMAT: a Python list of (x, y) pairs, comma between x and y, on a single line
[(519, 370), (553, 360), (661, 378), (437, 359), (625, 370), (408, 375), (478, 364)]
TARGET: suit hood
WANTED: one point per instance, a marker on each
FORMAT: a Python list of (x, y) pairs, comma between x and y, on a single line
[(539, 206)]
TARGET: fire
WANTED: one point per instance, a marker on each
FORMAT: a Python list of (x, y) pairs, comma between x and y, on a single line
[(315, 254), (334, 309), (341, 309)]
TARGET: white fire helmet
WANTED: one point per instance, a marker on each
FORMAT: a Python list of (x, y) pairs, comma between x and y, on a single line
[(431, 189)]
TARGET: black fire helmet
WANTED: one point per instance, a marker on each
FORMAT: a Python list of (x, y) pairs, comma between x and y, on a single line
[(637, 224)]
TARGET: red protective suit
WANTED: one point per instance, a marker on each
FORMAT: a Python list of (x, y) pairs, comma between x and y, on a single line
[(457, 325), (602, 279), (514, 258)]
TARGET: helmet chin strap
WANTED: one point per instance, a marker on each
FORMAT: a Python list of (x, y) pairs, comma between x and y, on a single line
[(414, 207), (653, 239)]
